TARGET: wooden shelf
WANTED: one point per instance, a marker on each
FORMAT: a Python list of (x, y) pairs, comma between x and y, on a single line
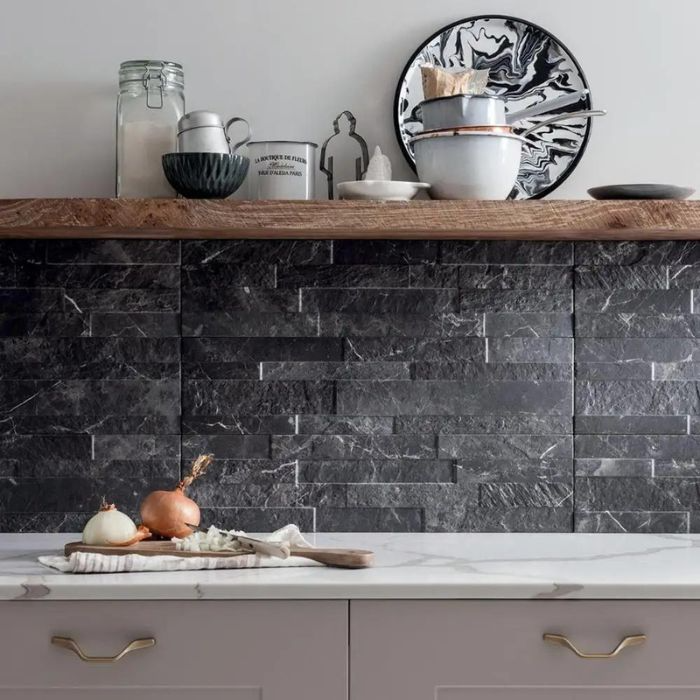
[(181, 218)]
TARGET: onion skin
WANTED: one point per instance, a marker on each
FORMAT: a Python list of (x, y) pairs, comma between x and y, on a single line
[(142, 533), (168, 513)]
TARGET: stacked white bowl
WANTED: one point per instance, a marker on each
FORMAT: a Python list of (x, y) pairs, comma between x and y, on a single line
[(467, 150)]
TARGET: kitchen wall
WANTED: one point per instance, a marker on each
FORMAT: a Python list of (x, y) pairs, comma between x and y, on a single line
[(291, 67), (354, 385)]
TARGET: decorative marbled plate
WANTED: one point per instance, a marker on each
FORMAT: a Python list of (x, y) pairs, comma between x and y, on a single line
[(527, 65)]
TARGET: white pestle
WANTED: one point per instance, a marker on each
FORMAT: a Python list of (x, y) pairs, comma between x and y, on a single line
[(379, 167)]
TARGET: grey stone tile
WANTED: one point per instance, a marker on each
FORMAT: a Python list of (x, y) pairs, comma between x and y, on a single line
[(124, 300), (377, 471), (433, 276), (676, 371), (208, 493), (124, 447), (226, 446), (43, 521), (525, 495), (221, 370), (500, 447), (684, 276), (427, 496), (547, 325), (104, 277), (627, 325), (75, 493), (409, 325), (638, 446), (509, 470), (242, 470), (503, 424), (345, 425), (445, 397), (46, 470), (635, 494), (369, 520), (14, 301), (249, 324), (603, 371), (384, 252), (636, 398), (516, 371), (352, 276), (359, 447), (383, 301), (616, 277), (226, 397), (637, 253), (238, 425), (207, 299), (637, 349), (634, 521), (99, 423), (218, 275), (54, 325), (630, 425), (261, 349), (633, 301), (113, 252), (470, 519), (138, 325), (516, 277), (514, 252), (677, 467), (379, 371), (262, 519), (400, 349), (614, 467), (160, 397), (500, 300), (556, 350), (282, 252)]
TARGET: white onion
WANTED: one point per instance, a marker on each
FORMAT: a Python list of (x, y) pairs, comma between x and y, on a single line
[(109, 527)]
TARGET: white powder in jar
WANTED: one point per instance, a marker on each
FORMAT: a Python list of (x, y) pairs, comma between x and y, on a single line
[(140, 167)]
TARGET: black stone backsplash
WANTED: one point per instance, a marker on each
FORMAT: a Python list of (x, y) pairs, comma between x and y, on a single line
[(354, 385)]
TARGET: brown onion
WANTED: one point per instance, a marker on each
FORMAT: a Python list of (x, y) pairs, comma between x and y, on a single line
[(170, 513)]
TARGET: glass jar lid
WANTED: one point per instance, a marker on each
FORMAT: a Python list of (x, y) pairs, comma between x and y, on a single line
[(145, 71)]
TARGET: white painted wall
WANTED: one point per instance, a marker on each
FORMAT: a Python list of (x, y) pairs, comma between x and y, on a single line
[(291, 66)]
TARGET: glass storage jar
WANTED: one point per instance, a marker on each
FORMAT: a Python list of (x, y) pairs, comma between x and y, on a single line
[(151, 101)]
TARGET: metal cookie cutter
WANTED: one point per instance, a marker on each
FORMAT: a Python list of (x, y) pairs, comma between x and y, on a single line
[(361, 162)]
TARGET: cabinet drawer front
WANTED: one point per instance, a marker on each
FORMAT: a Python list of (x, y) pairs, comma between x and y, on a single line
[(411, 650), (250, 647)]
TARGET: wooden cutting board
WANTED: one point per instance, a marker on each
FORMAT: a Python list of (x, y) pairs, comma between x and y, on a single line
[(342, 558)]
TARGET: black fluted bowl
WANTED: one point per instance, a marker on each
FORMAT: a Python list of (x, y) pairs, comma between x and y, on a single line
[(205, 175)]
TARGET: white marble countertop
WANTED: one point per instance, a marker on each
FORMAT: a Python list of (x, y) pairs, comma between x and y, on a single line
[(523, 566)]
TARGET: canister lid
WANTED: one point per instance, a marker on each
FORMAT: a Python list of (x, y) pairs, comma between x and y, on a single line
[(199, 118)]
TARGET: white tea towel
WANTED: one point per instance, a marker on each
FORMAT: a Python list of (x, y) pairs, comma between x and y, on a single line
[(91, 563)]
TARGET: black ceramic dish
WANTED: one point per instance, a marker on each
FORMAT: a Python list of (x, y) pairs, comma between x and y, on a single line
[(643, 191), (205, 175)]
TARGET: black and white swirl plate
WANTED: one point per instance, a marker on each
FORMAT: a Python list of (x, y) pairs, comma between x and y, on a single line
[(527, 65)]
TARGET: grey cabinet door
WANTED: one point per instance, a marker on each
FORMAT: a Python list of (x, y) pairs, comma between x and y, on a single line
[(213, 650)]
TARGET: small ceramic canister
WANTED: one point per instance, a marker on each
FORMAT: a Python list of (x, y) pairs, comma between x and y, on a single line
[(282, 169)]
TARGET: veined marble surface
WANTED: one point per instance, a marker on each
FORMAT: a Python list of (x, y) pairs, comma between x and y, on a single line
[(524, 566)]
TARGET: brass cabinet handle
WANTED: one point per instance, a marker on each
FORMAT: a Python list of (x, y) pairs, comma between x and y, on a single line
[(630, 641), (72, 645)]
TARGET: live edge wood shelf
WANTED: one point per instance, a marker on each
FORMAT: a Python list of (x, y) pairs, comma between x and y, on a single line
[(181, 218)]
